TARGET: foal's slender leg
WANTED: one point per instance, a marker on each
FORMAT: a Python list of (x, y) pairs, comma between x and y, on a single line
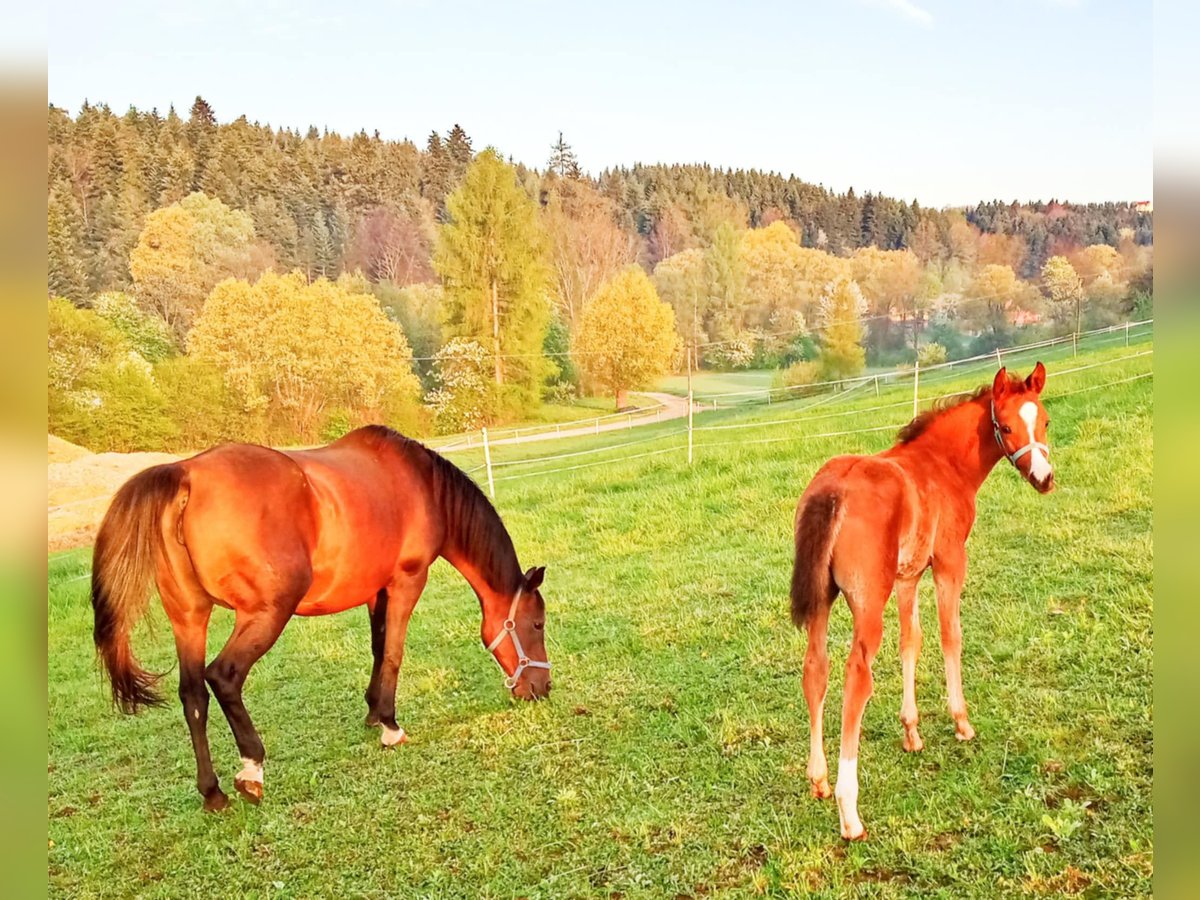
[(378, 611), (910, 649), (816, 681), (948, 579), (868, 633), (253, 635), (191, 638), (403, 594)]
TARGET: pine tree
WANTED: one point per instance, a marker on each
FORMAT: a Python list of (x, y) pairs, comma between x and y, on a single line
[(562, 160), (458, 148), (65, 275), (201, 133), (492, 258), (435, 173), (324, 251)]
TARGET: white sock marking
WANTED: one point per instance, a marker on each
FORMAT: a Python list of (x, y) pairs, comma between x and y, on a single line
[(390, 737), (846, 793), (251, 770), (1039, 466)]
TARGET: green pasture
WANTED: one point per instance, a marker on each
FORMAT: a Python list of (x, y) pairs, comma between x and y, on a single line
[(669, 761)]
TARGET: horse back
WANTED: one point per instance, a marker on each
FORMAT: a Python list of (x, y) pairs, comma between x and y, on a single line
[(881, 521), (247, 523)]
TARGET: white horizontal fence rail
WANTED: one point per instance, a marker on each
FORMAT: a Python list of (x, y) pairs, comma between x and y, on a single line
[(471, 441), (1113, 333), (790, 420)]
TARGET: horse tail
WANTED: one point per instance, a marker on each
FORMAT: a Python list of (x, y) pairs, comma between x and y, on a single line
[(123, 565), (818, 520)]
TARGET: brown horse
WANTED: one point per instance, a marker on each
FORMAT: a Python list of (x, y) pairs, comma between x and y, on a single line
[(272, 535), (866, 524)]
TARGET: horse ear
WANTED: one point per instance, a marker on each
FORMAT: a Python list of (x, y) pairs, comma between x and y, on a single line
[(1000, 383), (1037, 379), (533, 578)]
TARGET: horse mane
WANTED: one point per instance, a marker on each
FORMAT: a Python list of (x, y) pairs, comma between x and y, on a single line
[(922, 422), (471, 522)]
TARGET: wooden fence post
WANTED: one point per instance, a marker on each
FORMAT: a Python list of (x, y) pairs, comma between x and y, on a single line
[(916, 379), (487, 459)]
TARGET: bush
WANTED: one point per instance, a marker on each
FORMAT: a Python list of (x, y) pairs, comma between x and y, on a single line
[(561, 393), (203, 409), (932, 355), (146, 333), (338, 422), (799, 375), (1141, 305), (949, 337), (101, 394), (464, 399)]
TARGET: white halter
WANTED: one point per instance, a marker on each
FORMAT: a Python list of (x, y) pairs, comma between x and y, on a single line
[(510, 629), (1016, 454)]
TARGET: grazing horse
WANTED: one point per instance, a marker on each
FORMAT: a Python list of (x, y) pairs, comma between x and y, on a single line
[(868, 524), (273, 535)]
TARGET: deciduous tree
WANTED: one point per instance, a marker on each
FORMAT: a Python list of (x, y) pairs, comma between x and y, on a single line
[(627, 337), (303, 347), (1064, 289), (183, 251), (841, 312)]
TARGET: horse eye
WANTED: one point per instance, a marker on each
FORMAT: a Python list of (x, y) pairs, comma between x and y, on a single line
[(1006, 429), (539, 625), (1047, 423)]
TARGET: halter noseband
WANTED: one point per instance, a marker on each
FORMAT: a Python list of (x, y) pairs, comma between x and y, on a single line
[(1016, 454), (510, 629)]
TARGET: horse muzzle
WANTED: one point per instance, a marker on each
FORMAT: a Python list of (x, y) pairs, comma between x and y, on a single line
[(534, 686), (1045, 485)]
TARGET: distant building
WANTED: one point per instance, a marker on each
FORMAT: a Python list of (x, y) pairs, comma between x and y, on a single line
[(1146, 206)]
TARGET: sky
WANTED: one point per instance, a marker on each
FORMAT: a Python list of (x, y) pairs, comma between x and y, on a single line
[(944, 101)]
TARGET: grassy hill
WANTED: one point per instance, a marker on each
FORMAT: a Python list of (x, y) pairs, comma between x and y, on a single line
[(670, 758)]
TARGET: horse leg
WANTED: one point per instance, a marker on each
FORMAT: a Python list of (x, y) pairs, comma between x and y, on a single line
[(816, 681), (867, 607), (378, 611), (253, 635), (910, 649), (948, 579), (191, 639), (403, 594)]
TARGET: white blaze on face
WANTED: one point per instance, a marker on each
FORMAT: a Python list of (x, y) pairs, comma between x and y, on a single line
[(1039, 466)]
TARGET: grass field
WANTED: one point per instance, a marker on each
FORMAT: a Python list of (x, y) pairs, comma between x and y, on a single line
[(718, 382), (670, 759)]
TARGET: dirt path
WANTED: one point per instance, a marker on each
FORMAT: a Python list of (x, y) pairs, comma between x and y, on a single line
[(672, 408), (80, 484)]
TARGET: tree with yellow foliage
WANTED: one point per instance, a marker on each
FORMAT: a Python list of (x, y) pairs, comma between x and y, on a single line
[(1064, 288), (842, 309), (627, 337), (303, 349), (183, 251)]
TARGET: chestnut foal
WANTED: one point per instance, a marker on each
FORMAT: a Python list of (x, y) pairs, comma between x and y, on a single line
[(868, 524), (273, 535)]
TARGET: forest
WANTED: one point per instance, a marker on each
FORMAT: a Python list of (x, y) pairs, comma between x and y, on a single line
[(212, 280)]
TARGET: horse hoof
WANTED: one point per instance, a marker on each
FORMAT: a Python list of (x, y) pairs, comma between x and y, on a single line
[(251, 790), (216, 801), (912, 743), (861, 836), (963, 731), (820, 788), (392, 737)]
